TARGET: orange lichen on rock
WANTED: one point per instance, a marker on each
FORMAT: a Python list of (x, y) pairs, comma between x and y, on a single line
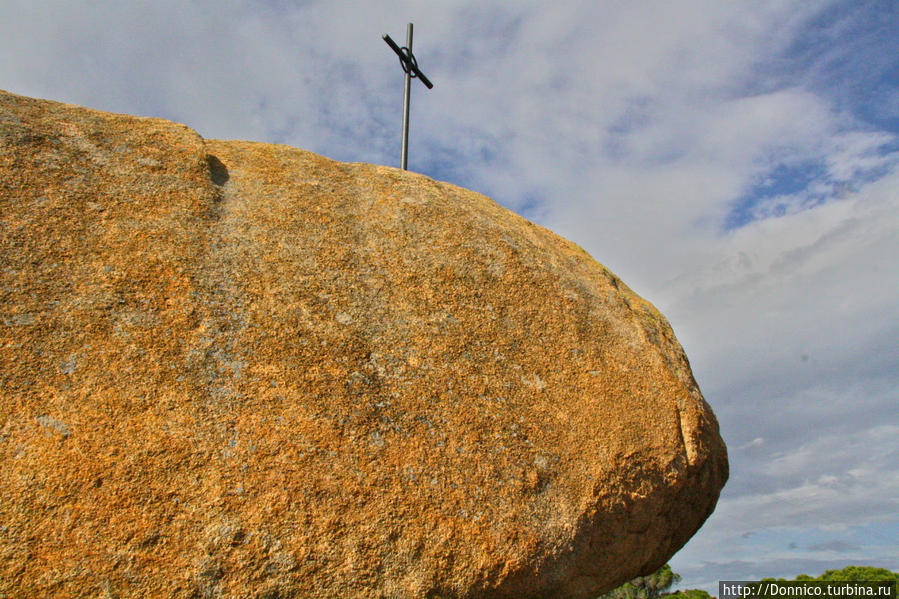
[(234, 369)]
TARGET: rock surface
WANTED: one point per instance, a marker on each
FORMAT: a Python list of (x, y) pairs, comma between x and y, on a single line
[(233, 369)]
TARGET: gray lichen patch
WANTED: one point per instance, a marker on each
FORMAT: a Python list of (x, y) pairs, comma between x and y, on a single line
[(52, 425)]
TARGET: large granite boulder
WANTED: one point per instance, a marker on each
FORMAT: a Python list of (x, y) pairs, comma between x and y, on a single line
[(233, 369)]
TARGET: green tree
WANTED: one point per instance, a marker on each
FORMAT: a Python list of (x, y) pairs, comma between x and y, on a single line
[(691, 594), (848, 574), (645, 587), (859, 573)]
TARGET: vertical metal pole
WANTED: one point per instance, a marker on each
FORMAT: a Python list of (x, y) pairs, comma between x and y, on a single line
[(406, 94)]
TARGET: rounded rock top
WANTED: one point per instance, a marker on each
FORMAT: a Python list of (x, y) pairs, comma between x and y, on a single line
[(242, 370)]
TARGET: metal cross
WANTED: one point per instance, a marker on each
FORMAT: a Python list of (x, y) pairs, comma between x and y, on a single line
[(410, 67)]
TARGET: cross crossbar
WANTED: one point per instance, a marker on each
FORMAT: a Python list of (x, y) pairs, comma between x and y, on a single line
[(408, 61)]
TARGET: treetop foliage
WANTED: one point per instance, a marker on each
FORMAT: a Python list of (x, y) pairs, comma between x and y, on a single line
[(850, 574), (657, 584)]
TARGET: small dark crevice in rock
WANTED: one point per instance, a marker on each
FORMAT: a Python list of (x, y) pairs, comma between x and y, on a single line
[(218, 172)]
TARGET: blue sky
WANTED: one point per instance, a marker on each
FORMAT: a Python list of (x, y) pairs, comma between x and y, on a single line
[(736, 163)]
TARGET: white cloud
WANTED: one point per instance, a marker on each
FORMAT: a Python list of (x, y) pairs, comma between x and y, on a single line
[(757, 442), (820, 283)]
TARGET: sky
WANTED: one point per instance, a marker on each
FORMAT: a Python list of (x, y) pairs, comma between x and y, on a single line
[(736, 163)]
